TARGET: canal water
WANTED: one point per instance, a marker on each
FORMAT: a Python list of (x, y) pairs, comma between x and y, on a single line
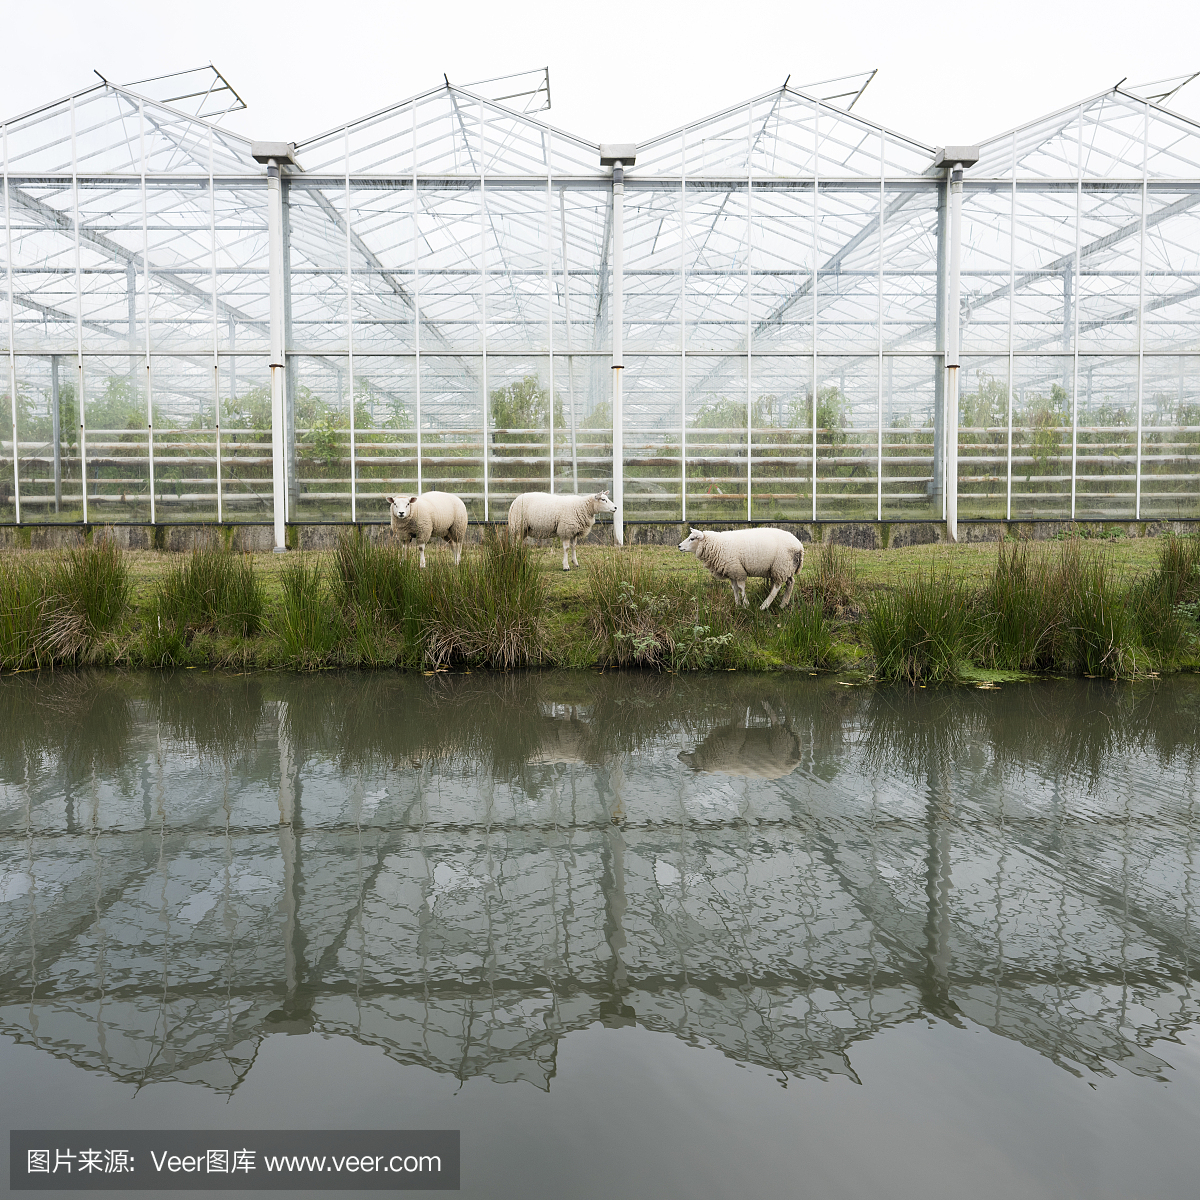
[(644, 936)]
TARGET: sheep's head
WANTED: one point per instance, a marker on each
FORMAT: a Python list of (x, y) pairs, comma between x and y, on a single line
[(603, 503), (399, 505), (693, 539)]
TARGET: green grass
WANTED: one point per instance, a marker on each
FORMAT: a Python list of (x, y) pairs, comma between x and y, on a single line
[(214, 590), (920, 632), (1122, 609)]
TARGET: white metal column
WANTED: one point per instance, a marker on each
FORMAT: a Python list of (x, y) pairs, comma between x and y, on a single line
[(749, 323), (879, 343), (416, 236), (216, 343), (1012, 301), (953, 320), (80, 393), (350, 338), (683, 327), (1137, 502), (483, 298), (549, 144), (1075, 299), (146, 313), (278, 350), (816, 245), (12, 358), (618, 361)]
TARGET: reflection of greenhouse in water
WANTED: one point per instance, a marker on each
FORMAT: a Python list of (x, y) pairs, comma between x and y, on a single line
[(778, 872), (436, 296)]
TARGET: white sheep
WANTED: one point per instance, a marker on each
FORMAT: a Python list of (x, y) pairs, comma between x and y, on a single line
[(434, 514), (772, 554), (541, 515)]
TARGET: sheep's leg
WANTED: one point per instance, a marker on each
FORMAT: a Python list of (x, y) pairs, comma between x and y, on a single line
[(788, 598), (736, 601), (770, 596), (742, 590), (566, 565), (457, 548), (574, 551), (421, 547)]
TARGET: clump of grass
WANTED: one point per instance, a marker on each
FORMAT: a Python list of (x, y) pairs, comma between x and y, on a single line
[(22, 607), (920, 631), (643, 617), (311, 626), (1021, 611), (1161, 600), (1102, 621), (215, 589), (807, 637), (88, 594), (382, 596), (488, 611), (831, 580)]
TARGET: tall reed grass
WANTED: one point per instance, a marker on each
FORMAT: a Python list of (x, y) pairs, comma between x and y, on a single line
[(22, 606), (88, 594), (311, 627), (489, 610), (919, 632), (215, 589)]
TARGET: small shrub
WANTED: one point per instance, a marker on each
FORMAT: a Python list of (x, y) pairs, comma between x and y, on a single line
[(1102, 622), (381, 592), (643, 617), (919, 632), (215, 589)]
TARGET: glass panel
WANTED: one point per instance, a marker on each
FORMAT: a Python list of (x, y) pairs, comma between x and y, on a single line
[(519, 429), (716, 438), (1171, 437), (983, 439), (246, 487), (908, 447), (847, 438), (848, 278), (452, 429), (382, 259), (782, 438), (984, 273), (652, 467), (1106, 438), (185, 439), (1172, 283), (1041, 485), (385, 400), (321, 403), (1109, 257), (117, 441)]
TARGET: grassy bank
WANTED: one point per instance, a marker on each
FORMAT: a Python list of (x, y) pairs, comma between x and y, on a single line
[(1119, 609)]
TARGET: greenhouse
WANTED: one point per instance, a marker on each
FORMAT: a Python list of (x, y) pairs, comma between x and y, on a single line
[(781, 312)]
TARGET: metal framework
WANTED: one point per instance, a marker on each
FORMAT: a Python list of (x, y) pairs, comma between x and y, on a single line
[(443, 285)]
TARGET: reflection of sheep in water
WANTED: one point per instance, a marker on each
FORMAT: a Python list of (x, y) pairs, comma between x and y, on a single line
[(566, 517), (753, 752), (433, 515), (771, 554)]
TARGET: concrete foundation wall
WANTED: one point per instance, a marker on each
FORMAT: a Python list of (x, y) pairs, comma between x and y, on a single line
[(861, 535)]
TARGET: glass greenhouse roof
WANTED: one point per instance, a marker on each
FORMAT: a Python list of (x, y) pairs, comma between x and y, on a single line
[(779, 256)]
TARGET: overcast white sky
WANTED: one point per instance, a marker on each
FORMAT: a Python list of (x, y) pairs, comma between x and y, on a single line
[(949, 72)]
